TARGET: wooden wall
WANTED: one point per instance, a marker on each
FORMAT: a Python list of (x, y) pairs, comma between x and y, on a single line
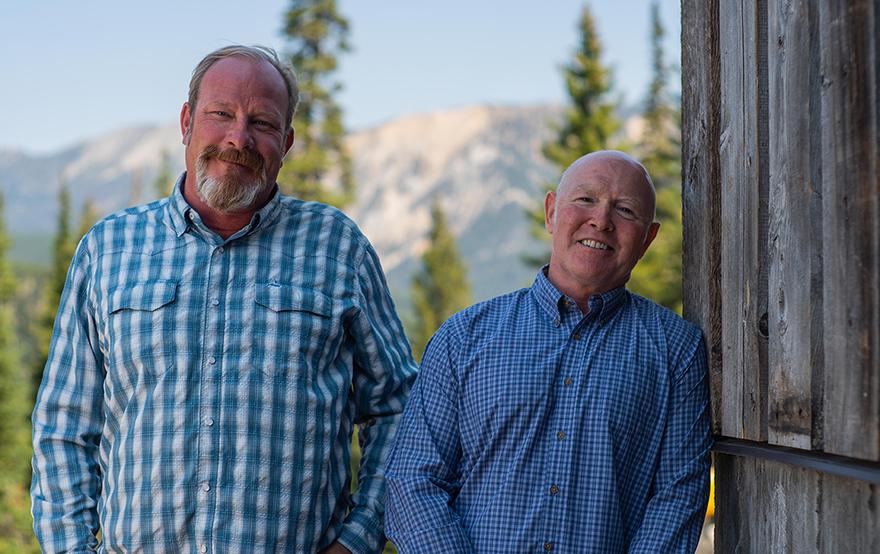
[(781, 200)]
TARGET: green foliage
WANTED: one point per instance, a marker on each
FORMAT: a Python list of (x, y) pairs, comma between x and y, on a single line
[(163, 183), (658, 275), (318, 34), (590, 121), (15, 407), (440, 288)]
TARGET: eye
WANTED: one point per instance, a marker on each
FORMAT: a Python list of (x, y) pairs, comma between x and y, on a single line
[(220, 113), (586, 199), (627, 212)]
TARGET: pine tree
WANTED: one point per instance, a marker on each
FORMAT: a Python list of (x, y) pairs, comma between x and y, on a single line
[(440, 288), (15, 406), (658, 274), (590, 121), (62, 253), (318, 33)]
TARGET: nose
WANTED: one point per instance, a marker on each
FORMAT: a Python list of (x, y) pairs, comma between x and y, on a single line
[(600, 218), (238, 135)]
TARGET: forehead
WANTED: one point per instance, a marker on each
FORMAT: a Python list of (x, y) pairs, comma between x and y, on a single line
[(238, 78), (610, 176)]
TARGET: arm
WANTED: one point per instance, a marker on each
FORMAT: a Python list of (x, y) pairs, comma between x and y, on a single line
[(424, 471), (67, 422), (383, 374), (674, 515)]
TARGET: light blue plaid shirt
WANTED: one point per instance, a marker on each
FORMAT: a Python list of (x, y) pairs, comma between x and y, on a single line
[(200, 393), (534, 428)]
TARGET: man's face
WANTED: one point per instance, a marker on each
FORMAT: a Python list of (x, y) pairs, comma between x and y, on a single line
[(601, 222), (236, 135)]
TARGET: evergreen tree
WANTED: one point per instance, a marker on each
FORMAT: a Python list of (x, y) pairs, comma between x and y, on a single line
[(440, 288), (318, 34), (62, 253), (15, 407), (589, 124), (658, 275)]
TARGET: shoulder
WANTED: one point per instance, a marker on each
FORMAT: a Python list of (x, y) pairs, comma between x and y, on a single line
[(679, 338), (321, 216), (126, 227)]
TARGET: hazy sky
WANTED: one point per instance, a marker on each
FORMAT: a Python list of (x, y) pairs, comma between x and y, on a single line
[(75, 69)]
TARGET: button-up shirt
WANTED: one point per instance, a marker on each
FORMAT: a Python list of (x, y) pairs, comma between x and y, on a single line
[(533, 427), (201, 392)]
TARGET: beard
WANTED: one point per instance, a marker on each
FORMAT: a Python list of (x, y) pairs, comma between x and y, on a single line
[(230, 193)]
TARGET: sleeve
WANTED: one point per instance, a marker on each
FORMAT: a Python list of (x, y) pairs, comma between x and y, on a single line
[(67, 422), (383, 375), (674, 514), (424, 471)]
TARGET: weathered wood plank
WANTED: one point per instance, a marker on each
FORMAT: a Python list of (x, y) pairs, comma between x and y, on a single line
[(851, 227), (700, 181), (766, 506), (743, 153), (795, 247)]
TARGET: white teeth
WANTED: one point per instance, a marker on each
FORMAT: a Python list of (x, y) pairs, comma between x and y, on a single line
[(595, 244)]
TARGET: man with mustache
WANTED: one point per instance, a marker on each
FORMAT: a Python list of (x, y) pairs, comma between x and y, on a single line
[(571, 416), (213, 351)]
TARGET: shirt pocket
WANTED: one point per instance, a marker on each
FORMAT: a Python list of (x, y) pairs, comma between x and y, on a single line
[(142, 324), (294, 329)]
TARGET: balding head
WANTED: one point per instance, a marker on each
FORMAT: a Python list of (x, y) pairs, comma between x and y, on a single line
[(621, 163)]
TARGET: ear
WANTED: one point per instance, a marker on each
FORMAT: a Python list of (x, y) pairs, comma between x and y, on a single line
[(185, 121), (288, 141), (550, 211), (649, 238)]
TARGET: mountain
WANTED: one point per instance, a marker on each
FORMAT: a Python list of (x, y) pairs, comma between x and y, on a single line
[(483, 163)]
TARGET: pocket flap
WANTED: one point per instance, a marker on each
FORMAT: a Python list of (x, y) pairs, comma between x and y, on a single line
[(149, 296), (285, 298)]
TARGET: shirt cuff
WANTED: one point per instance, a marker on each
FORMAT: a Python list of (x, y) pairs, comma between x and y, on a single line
[(362, 532)]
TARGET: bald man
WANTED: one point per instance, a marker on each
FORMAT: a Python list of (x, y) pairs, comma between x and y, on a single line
[(571, 416)]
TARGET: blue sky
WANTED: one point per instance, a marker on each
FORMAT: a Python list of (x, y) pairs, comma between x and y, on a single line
[(76, 69)]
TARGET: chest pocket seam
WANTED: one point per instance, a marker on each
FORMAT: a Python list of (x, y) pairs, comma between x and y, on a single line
[(287, 298), (146, 296)]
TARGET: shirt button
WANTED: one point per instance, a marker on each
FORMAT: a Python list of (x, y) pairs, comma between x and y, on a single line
[(215, 302), (554, 489), (576, 336), (209, 421), (556, 322), (560, 435), (206, 487), (212, 360), (220, 249), (568, 381), (548, 546), (203, 549)]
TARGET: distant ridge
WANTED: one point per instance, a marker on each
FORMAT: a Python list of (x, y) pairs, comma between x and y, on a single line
[(483, 163)]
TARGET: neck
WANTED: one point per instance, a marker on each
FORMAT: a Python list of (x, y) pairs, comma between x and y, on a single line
[(224, 224)]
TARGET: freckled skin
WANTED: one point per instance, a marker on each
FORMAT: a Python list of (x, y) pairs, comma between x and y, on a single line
[(242, 104), (605, 197)]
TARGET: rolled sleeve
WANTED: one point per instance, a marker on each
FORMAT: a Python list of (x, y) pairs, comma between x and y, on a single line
[(67, 422), (383, 375)]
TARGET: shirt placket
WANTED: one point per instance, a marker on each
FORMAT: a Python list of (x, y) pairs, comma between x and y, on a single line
[(210, 388), (560, 430)]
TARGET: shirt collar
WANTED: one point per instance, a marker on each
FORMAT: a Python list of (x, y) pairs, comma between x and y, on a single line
[(182, 214), (554, 304)]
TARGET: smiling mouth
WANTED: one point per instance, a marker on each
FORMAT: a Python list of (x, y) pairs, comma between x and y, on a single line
[(594, 244)]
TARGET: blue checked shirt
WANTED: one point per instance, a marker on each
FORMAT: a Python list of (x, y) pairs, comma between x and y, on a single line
[(200, 393), (533, 428)]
